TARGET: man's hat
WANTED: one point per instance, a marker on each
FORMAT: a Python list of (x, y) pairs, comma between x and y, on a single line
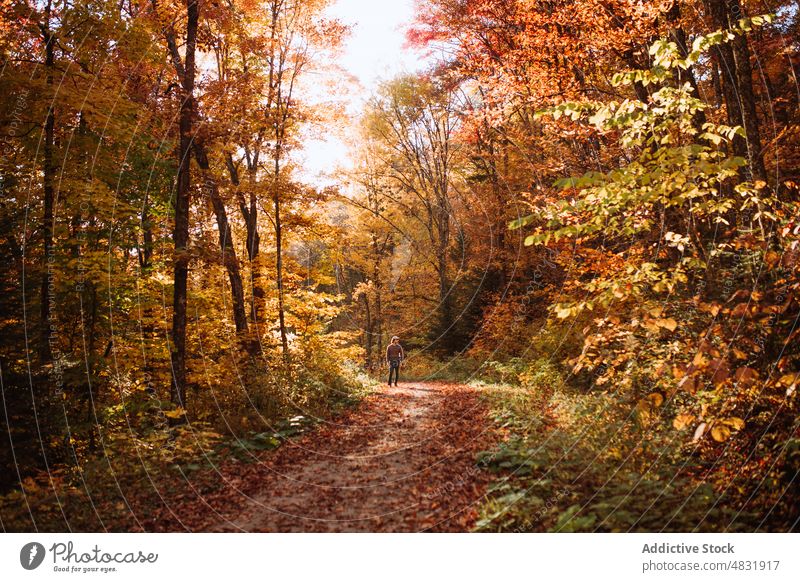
[(395, 338)]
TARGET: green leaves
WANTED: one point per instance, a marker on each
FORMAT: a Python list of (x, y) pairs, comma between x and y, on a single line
[(570, 520), (667, 56), (586, 180), (747, 24), (571, 110), (669, 166), (521, 222)]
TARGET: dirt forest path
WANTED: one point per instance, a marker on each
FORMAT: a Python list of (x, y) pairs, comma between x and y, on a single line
[(403, 460)]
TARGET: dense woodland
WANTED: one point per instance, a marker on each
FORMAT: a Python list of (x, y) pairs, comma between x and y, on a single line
[(590, 207)]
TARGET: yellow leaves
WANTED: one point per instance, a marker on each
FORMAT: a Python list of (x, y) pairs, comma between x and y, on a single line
[(650, 325), (563, 312), (720, 432), (699, 360), (647, 405), (683, 421), (712, 137), (176, 413), (668, 323), (656, 399), (790, 381), (712, 308), (771, 259), (657, 322), (735, 422), (676, 240), (600, 116), (721, 429)]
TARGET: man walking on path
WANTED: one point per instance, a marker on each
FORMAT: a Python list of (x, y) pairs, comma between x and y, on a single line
[(394, 355)]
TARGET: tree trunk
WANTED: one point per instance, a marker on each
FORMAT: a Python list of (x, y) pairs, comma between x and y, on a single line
[(678, 35), (45, 353), (445, 298), (368, 336), (724, 54), (279, 258), (182, 201), (227, 249), (747, 99), (253, 249), (737, 85), (146, 252), (249, 212), (377, 327), (497, 275)]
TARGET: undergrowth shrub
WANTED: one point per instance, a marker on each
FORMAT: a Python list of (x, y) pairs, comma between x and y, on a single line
[(130, 459), (577, 461), (424, 367), (683, 280)]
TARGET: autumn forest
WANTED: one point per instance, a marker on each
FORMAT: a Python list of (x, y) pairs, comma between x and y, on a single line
[(581, 218)]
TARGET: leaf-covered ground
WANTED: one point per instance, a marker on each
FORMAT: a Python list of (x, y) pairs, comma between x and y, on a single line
[(401, 461)]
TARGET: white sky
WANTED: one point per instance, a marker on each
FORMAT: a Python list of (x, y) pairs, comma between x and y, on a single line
[(373, 52)]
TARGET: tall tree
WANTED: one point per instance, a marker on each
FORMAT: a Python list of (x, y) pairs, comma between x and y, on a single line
[(737, 76), (415, 119), (48, 177), (228, 251), (185, 70), (370, 248)]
